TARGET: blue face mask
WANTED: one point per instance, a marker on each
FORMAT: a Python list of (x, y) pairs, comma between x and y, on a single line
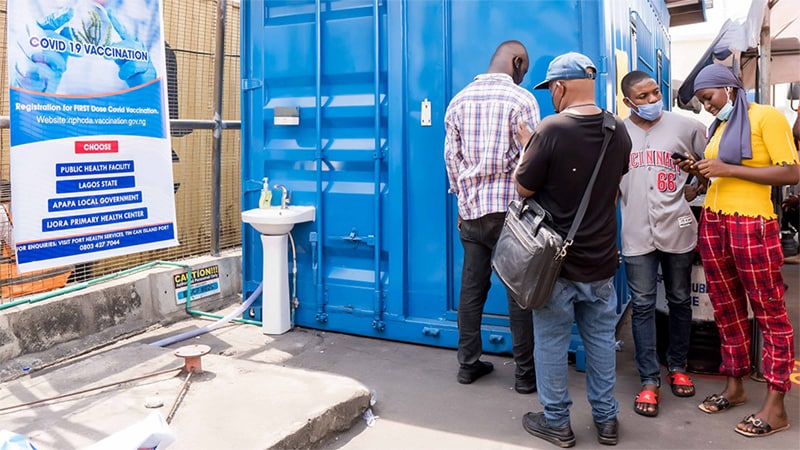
[(725, 112), (649, 111)]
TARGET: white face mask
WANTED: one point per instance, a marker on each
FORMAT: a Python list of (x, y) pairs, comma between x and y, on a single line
[(725, 112)]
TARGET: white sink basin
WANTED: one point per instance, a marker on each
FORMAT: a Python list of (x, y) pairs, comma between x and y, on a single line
[(275, 221)]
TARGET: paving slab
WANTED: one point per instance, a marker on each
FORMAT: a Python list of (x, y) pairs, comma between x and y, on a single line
[(244, 397)]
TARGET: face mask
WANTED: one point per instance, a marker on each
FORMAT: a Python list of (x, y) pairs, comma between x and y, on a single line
[(650, 111), (725, 112)]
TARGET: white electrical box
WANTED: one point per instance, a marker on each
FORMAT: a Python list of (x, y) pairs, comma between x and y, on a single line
[(425, 113)]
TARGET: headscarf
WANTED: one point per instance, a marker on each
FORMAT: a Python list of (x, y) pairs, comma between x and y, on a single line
[(735, 142)]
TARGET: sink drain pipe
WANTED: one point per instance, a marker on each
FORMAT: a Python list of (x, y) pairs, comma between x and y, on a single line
[(217, 324)]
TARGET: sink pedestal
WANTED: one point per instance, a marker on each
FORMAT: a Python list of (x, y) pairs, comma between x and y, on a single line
[(275, 306), (274, 224)]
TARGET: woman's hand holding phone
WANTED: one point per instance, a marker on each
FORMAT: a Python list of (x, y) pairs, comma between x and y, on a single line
[(685, 163), (680, 156)]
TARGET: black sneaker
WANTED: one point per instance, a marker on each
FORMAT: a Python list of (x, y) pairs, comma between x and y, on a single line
[(536, 424), (607, 432), (469, 373), (525, 386)]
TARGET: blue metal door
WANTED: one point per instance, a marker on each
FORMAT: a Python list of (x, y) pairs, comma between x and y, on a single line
[(302, 55)]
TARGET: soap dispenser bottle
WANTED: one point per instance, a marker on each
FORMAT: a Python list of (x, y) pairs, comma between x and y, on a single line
[(265, 201)]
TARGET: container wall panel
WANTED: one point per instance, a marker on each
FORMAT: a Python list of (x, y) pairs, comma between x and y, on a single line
[(383, 257)]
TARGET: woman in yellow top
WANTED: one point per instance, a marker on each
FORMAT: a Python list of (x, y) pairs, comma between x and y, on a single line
[(750, 149)]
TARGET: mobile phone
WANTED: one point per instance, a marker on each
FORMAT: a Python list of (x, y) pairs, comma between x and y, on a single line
[(680, 156)]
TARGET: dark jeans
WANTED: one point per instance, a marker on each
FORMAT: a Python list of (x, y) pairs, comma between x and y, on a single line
[(642, 272), (478, 237)]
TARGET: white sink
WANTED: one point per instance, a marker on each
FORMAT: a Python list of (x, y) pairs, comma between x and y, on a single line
[(275, 221)]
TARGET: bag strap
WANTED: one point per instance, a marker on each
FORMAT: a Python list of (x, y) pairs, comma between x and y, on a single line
[(609, 126)]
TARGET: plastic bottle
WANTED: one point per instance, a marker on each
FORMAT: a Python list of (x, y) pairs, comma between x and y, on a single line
[(265, 201)]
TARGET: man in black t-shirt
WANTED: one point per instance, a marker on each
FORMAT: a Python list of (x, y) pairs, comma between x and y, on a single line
[(555, 170)]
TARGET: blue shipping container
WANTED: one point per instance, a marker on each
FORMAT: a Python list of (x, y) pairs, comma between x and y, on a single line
[(368, 82)]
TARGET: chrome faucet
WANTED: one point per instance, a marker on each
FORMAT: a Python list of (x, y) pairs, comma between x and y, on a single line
[(286, 196)]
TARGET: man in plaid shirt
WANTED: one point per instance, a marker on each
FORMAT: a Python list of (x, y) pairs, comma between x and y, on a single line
[(481, 153)]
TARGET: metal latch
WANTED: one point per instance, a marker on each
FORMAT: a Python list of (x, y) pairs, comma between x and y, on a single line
[(355, 239), (248, 84)]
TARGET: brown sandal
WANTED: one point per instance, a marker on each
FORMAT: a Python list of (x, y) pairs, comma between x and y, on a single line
[(719, 401), (760, 427)]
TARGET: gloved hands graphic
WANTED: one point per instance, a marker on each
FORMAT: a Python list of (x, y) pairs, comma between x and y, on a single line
[(133, 73), (42, 68)]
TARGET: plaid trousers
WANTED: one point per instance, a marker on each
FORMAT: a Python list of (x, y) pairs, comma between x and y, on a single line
[(742, 258)]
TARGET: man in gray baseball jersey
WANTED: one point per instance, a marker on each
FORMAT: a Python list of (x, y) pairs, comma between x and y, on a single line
[(658, 228)]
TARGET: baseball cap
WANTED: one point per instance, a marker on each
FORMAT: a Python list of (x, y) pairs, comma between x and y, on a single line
[(569, 66)]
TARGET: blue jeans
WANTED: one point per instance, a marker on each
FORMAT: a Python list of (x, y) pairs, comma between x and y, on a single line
[(593, 307), (478, 237), (642, 274)]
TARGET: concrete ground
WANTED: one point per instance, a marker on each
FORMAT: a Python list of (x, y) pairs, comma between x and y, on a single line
[(301, 389)]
